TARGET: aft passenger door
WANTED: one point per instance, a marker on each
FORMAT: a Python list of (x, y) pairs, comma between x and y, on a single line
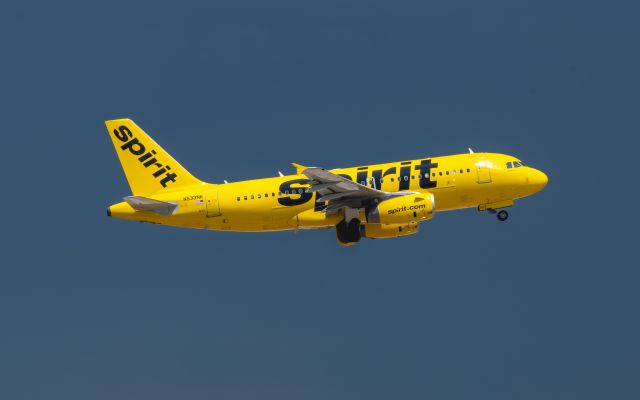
[(212, 203)]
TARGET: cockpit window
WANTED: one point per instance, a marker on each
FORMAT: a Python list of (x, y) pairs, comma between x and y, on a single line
[(517, 164), (509, 164)]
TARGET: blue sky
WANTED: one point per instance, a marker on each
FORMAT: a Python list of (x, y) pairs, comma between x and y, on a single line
[(542, 306)]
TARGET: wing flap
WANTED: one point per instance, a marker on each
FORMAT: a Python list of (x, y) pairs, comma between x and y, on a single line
[(321, 186), (337, 183), (338, 192), (335, 196)]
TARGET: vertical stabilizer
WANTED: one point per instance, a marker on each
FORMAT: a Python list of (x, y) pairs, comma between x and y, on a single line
[(148, 167)]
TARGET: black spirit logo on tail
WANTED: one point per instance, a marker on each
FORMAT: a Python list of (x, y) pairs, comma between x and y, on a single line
[(145, 158)]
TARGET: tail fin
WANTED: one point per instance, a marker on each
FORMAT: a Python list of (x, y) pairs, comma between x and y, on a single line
[(148, 168)]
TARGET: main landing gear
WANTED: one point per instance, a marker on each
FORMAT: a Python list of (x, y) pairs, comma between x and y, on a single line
[(502, 215), (348, 233)]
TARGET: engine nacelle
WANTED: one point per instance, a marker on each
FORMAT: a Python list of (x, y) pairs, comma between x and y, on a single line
[(403, 209), (380, 231)]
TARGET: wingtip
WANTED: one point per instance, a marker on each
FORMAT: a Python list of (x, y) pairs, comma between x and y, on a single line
[(299, 167)]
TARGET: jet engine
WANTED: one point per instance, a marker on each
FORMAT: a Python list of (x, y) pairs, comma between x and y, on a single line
[(402, 210), (380, 231)]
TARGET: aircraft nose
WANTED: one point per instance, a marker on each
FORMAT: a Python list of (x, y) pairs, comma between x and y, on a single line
[(537, 179)]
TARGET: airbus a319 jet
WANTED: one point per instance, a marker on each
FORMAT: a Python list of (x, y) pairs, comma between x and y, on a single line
[(373, 201)]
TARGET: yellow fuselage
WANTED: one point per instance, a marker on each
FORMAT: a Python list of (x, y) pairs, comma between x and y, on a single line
[(481, 180)]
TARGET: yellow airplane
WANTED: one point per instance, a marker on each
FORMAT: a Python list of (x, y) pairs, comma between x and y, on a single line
[(374, 201)]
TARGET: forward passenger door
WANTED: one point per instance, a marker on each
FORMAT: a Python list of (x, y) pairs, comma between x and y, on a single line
[(484, 173)]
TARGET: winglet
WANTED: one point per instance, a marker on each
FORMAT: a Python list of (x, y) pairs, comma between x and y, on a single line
[(299, 168)]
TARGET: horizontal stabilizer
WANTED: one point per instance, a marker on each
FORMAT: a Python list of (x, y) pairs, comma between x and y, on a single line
[(146, 204)]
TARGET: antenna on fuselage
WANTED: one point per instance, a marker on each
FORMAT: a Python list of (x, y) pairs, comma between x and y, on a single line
[(470, 150), (280, 173), (225, 181)]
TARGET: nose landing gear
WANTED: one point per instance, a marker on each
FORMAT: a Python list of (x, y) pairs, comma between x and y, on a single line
[(502, 215), (493, 208)]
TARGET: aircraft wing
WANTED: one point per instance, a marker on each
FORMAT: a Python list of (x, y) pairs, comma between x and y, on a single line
[(338, 192)]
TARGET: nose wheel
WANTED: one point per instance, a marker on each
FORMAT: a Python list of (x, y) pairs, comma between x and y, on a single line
[(502, 215)]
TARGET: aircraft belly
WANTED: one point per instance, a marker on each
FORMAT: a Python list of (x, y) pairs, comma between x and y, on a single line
[(311, 219), (452, 199), (252, 220)]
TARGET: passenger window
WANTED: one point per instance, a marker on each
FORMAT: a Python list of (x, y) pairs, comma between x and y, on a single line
[(453, 172), (245, 197), (252, 197), (509, 164), (273, 195), (468, 170), (447, 172), (391, 179), (461, 171), (237, 198), (259, 196), (266, 195), (413, 177), (440, 173), (432, 174)]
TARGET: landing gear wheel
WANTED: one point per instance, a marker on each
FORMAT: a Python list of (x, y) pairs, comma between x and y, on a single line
[(502, 215), (348, 233)]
